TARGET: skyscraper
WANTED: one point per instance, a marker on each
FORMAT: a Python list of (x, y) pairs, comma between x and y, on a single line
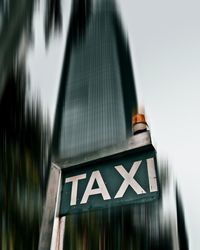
[(97, 93)]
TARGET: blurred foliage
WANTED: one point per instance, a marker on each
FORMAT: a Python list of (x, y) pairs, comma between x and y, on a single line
[(24, 129), (24, 139), (53, 17), (16, 19)]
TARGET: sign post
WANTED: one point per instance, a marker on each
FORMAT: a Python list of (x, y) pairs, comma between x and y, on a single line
[(115, 177)]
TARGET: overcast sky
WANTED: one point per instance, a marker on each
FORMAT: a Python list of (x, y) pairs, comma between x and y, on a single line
[(165, 43), (164, 37)]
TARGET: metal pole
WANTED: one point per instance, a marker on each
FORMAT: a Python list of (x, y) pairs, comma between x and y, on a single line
[(50, 226)]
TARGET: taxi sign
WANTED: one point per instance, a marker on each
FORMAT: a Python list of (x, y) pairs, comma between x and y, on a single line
[(124, 178)]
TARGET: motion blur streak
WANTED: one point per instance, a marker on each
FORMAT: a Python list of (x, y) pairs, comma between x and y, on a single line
[(23, 156), (96, 100), (24, 132)]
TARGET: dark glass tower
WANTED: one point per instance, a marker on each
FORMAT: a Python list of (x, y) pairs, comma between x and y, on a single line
[(97, 93)]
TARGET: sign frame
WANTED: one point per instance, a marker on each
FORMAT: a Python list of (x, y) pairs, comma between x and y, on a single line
[(105, 168)]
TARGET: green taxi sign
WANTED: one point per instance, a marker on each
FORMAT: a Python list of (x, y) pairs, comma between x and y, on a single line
[(124, 178)]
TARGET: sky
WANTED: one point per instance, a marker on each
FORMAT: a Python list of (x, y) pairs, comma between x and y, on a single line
[(164, 39), (165, 45)]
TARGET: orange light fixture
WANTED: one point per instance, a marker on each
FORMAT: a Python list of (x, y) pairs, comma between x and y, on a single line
[(138, 118)]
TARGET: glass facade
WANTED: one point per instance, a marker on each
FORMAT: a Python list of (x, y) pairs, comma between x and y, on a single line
[(96, 102)]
